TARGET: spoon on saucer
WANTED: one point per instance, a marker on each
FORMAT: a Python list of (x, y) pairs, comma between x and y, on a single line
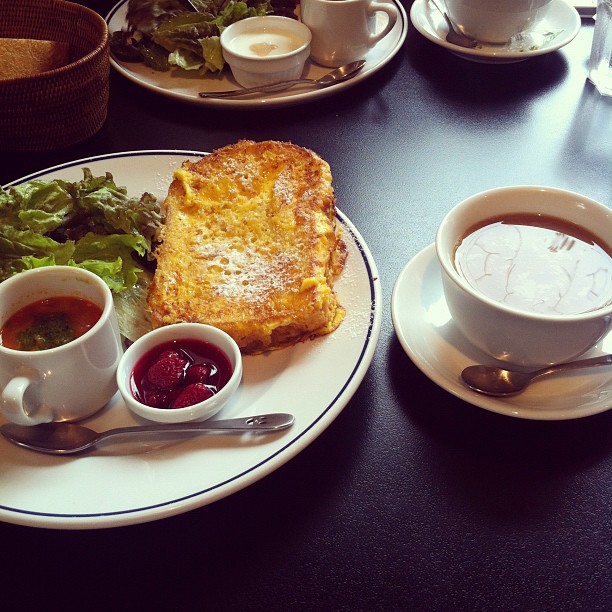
[(62, 438), (343, 73), (454, 36), (500, 382)]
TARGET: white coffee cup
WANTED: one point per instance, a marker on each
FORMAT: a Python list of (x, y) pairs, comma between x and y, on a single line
[(68, 382), (503, 330), (495, 21), (343, 31)]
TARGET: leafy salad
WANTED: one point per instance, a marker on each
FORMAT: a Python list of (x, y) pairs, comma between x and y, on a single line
[(92, 224), (185, 33)]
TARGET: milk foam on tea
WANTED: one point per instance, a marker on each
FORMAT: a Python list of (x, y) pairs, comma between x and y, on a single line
[(537, 264)]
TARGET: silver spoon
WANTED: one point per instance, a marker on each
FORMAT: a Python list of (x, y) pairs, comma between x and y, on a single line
[(492, 380), (193, 6), (454, 36), (65, 438), (335, 76)]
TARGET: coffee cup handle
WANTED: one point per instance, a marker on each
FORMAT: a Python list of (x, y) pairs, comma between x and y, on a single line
[(393, 15), (12, 403)]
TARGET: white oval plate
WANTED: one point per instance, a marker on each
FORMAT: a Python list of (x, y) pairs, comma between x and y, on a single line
[(181, 85), (139, 482), (426, 332), (561, 18)]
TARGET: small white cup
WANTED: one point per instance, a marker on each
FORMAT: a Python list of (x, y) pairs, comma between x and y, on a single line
[(286, 40), (68, 382), (507, 333), (343, 31), (495, 21)]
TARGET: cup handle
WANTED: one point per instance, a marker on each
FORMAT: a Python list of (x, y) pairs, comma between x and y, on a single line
[(392, 14), (12, 403)]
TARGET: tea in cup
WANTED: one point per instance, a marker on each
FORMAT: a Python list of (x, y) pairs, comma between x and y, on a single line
[(495, 21), (343, 31), (527, 273), (59, 345)]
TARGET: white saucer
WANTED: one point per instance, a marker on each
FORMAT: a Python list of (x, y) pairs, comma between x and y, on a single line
[(426, 332), (562, 21)]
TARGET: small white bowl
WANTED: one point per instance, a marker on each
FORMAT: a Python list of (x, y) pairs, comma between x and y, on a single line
[(264, 50), (180, 331)]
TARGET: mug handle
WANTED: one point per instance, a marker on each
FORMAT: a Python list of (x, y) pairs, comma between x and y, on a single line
[(392, 13), (12, 403)]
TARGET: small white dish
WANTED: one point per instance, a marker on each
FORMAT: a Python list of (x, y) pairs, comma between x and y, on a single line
[(426, 332), (266, 50), (559, 27), (180, 331)]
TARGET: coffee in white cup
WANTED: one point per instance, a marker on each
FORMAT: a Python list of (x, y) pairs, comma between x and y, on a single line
[(343, 31), (56, 363), (495, 21)]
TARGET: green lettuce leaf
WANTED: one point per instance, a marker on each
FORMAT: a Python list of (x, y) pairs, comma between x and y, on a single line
[(185, 59), (92, 223), (162, 34), (16, 243), (213, 55), (97, 253), (113, 273), (40, 206)]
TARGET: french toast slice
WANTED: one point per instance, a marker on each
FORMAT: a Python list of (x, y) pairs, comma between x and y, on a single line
[(250, 245)]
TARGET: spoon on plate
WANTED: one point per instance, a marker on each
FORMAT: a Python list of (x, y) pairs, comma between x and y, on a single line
[(500, 382), (344, 73), (454, 36), (61, 438)]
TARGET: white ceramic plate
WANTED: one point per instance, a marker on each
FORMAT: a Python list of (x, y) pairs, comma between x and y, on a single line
[(139, 482), (561, 19), (181, 85), (426, 332)]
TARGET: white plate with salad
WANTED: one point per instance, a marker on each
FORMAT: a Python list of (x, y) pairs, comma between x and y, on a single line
[(185, 84), (136, 482)]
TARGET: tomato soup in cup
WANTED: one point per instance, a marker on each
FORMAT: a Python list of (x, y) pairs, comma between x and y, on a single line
[(59, 345), (49, 323)]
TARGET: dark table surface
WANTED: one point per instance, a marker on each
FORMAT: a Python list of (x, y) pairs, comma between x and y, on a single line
[(412, 499)]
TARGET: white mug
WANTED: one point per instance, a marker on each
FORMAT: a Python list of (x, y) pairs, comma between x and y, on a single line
[(68, 382), (501, 329), (495, 21), (344, 31)]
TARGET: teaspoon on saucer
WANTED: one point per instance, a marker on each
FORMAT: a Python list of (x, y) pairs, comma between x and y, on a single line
[(338, 75), (454, 36), (62, 438), (500, 382)]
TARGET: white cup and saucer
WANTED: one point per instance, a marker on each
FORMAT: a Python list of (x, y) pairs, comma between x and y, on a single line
[(537, 30), (442, 344)]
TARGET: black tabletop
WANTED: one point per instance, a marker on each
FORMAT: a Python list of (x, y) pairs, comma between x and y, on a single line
[(412, 499)]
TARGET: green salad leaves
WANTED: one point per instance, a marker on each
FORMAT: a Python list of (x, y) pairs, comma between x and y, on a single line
[(91, 224), (170, 33)]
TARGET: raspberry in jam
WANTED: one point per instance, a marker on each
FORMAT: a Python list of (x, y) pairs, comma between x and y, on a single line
[(180, 373)]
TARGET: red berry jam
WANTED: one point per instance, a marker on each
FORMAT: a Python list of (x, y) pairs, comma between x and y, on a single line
[(180, 373)]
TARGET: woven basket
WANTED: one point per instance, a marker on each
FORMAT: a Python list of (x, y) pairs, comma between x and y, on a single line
[(60, 107)]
